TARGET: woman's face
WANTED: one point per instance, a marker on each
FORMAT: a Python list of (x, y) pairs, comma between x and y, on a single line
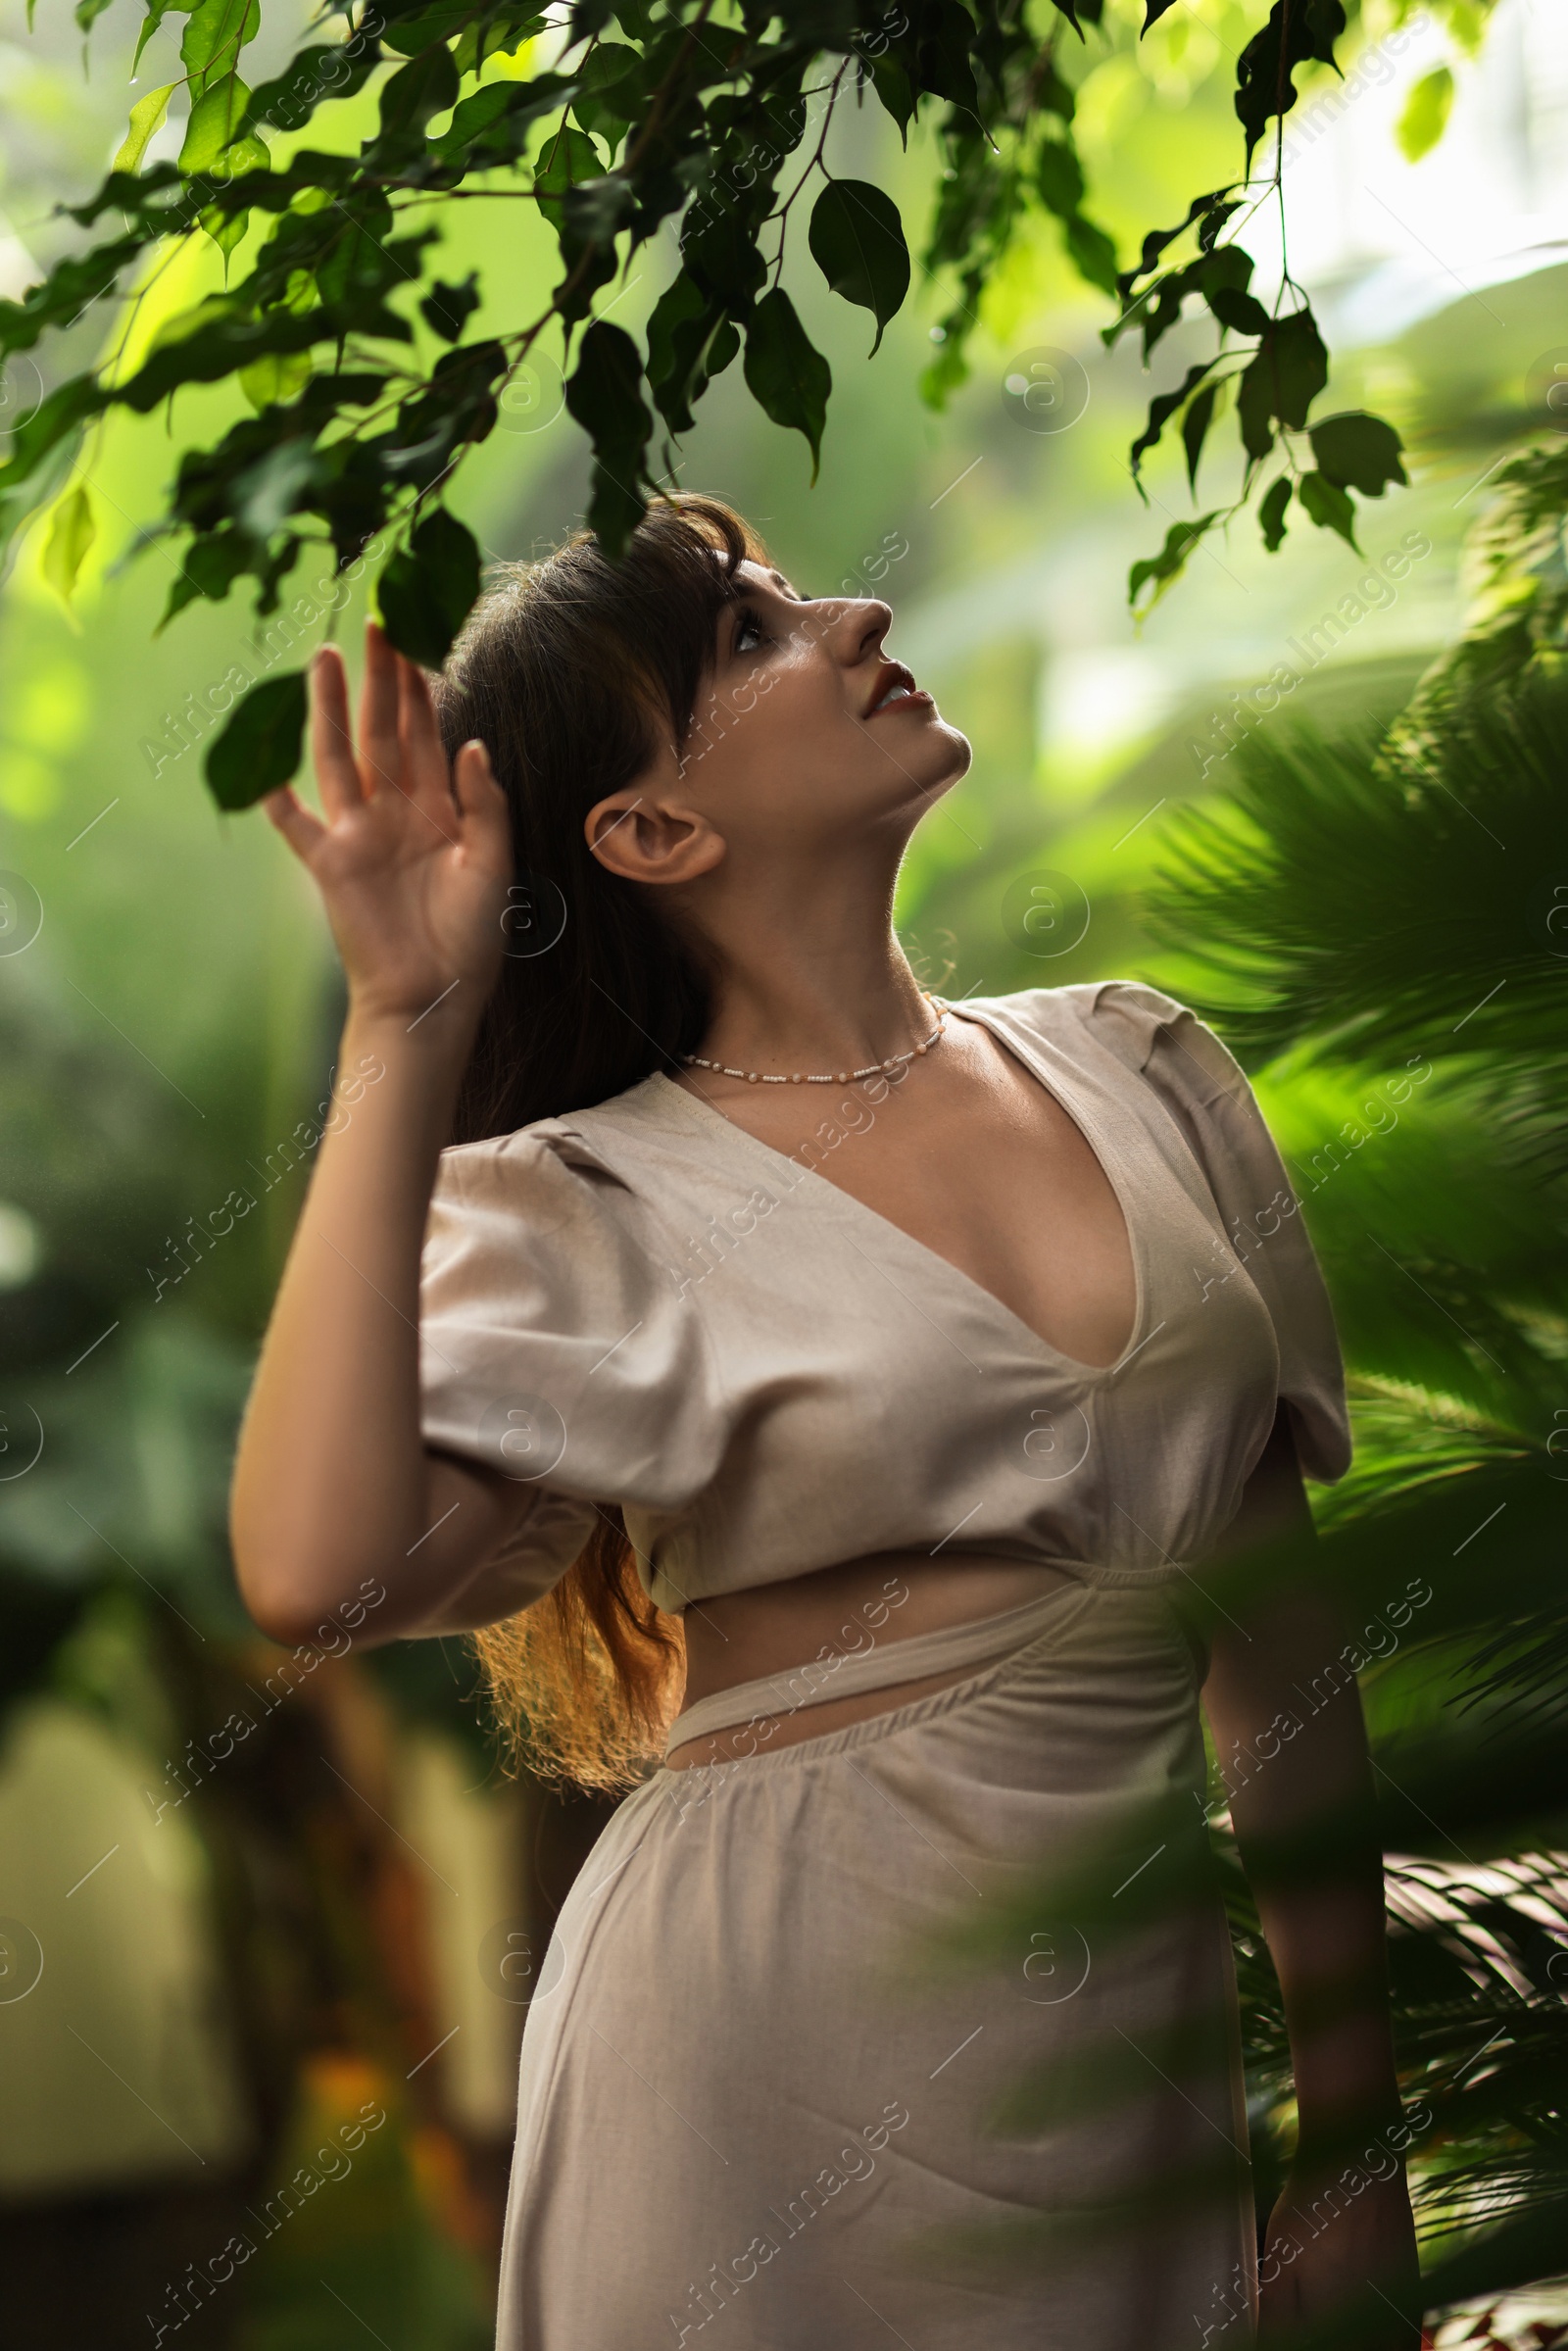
[(807, 737), (806, 729)]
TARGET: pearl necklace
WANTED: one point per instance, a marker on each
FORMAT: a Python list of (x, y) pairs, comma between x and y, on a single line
[(843, 1077)]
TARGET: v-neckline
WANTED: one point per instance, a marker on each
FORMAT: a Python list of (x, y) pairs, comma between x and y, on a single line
[(1088, 1127)]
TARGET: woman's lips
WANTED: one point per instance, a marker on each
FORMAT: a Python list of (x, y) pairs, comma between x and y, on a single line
[(897, 691)]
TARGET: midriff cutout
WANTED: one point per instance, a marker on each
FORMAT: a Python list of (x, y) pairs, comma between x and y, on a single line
[(767, 1732), (746, 1637)]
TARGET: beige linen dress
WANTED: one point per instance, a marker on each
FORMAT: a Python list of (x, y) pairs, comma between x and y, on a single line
[(921, 2030)]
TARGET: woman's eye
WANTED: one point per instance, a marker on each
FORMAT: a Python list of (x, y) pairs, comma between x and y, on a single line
[(749, 634)]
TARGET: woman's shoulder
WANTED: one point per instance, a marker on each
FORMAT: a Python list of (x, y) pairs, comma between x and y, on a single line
[(603, 1143), (1126, 1015), (1151, 1035), (579, 1201)]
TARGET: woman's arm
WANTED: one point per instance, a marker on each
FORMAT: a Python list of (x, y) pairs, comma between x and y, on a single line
[(1286, 1716), (332, 1483)]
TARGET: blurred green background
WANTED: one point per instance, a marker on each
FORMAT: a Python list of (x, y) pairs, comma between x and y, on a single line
[(245, 1960)]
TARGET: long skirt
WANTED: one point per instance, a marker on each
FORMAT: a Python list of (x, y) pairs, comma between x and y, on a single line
[(919, 2032)]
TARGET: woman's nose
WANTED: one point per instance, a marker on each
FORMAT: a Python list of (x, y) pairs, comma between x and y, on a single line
[(860, 626)]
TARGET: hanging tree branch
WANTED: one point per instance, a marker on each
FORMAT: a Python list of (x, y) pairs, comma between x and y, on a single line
[(686, 110)]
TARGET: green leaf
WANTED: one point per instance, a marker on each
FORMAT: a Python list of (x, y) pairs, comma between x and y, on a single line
[(1059, 177), (594, 213), (1160, 411), (611, 90), (70, 535), (1287, 372), (1195, 428), (1298, 33), (258, 746), (1271, 512), (1156, 310), (428, 590), (67, 407), (214, 125), (893, 86), (227, 230), (424, 87), (247, 153), (1212, 212), (1052, 95), (1358, 452), (447, 310), (946, 40), (313, 77), (718, 250), (1254, 408), (1426, 113), (1242, 312), (1160, 570), (787, 376), (145, 117), (276, 378), (1093, 253), (210, 569), (27, 491), (181, 325), (209, 51), (604, 393), (493, 125), (415, 31), (690, 340), (567, 157), (945, 373), (157, 9), (1329, 505), (856, 241), (275, 487)]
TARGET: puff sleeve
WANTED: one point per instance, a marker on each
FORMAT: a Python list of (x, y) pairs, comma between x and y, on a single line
[(553, 1346), (1206, 1094)]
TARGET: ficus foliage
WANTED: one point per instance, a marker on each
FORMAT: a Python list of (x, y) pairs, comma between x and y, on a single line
[(710, 114)]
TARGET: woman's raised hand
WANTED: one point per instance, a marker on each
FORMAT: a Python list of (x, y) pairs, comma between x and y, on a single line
[(413, 857)]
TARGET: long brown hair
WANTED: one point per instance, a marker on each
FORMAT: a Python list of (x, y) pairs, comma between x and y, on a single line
[(571, 670)]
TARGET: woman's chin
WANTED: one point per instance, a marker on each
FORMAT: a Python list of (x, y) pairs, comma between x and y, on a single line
[(930, 782), (948, 756), (930, 757)]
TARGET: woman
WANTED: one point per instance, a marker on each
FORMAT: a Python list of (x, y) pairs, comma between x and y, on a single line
[(899, 1430)]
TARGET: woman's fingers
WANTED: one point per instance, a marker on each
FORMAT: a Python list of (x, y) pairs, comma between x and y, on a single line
[(487, 820), (424, 761), (379, 715), (401, 760), (300, 829), (332, 744)]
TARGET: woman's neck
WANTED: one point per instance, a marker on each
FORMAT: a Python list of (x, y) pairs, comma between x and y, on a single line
[(826, 987)]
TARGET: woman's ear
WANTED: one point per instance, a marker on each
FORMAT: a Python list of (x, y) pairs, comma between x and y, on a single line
[(645, 838)]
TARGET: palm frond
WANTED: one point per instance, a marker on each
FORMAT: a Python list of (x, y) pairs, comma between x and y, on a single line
[(1410, 1440), (1527, 1662), (1384, 898), (1516, 571)]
